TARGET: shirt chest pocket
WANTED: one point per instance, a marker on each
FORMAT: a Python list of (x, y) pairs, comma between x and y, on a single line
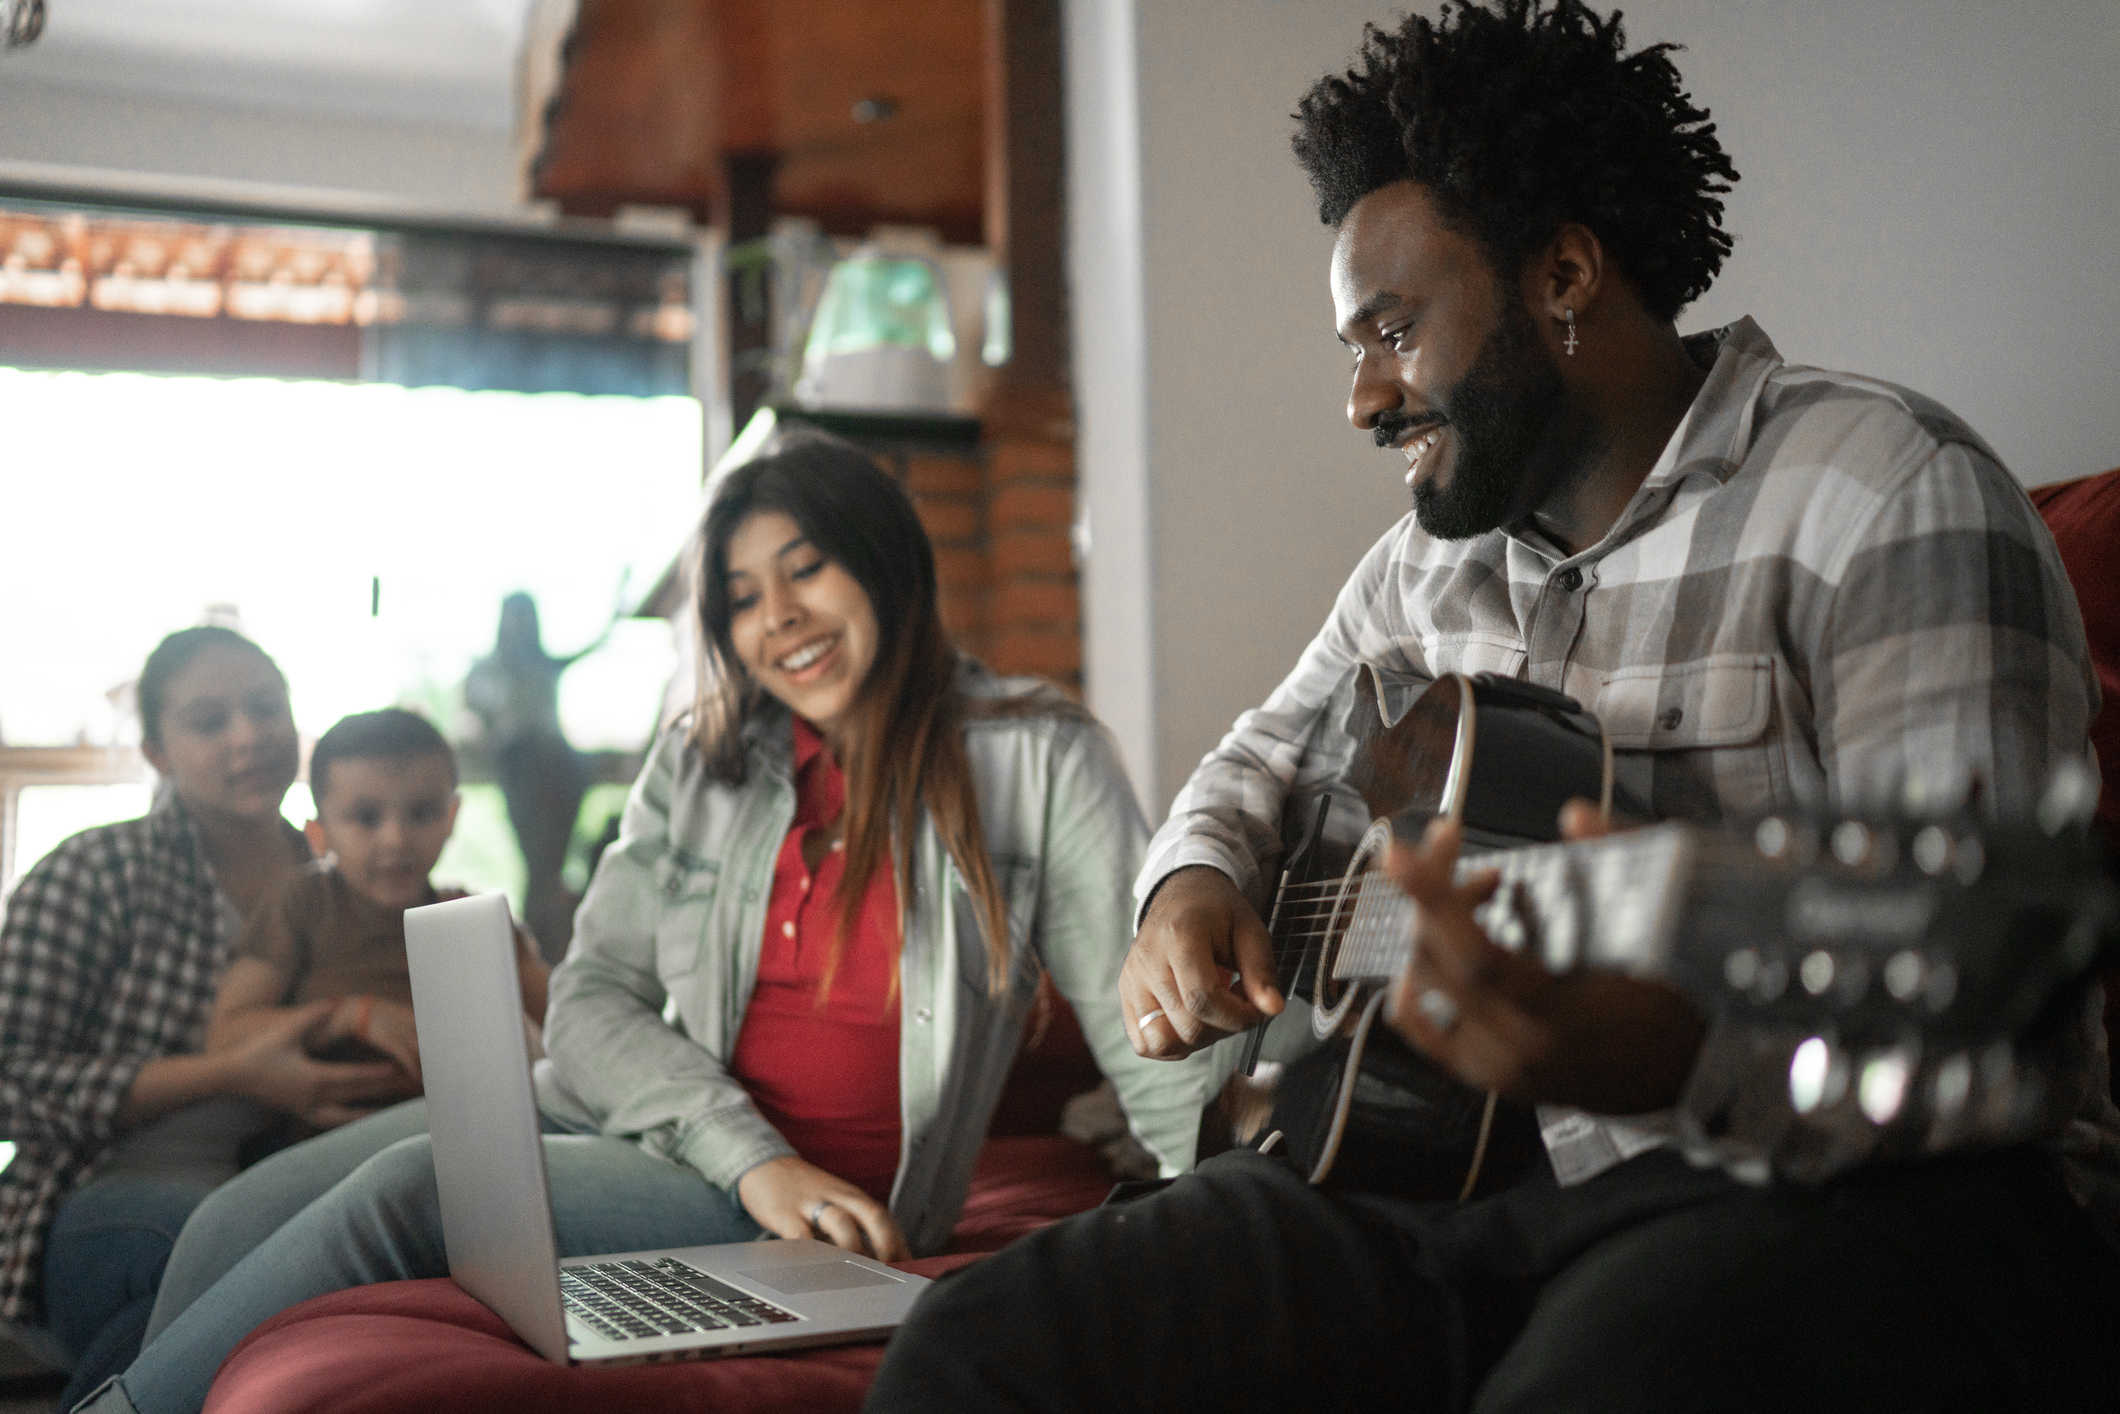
[(1696, 740), (687, 889)]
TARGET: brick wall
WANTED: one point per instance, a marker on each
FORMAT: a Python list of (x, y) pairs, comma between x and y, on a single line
[(1000, 519)]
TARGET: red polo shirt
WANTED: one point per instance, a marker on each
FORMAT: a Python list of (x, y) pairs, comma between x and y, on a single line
[(826, 1076)]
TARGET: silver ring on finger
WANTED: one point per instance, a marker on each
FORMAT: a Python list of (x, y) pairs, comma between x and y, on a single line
[(1142, 1024), (1437, 1009), (817, 1213)]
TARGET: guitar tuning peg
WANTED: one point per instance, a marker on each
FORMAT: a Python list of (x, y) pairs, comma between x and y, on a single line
[(2070, 798), (1932, 849), (1851, 842), (1952, 1086), (1968, 859), (1882, 1086), (1818, 1075)]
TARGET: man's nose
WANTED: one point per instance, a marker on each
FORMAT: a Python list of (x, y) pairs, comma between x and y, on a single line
[(1371, 395)]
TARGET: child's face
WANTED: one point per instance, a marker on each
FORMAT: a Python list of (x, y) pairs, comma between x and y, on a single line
[(385, 822)]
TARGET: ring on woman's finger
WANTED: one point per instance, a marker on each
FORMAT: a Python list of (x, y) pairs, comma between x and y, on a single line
[(1438, 1009), (1142, 1024), (817, 1213)]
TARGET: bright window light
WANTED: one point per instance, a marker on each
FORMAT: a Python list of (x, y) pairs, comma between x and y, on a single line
[(363, 534)]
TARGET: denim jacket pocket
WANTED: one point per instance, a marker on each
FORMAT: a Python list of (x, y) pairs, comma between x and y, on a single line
[(686, 887)]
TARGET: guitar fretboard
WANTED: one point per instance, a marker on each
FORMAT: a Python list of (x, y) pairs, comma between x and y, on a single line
[(1610, 902)]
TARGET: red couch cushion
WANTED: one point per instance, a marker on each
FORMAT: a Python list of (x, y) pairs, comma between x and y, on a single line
[(2084, 517), (420, 1345)]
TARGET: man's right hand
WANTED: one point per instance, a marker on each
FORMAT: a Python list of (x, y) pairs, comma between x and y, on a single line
[(1199, 934)]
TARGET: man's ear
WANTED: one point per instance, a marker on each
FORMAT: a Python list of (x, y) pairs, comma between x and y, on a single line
[(456, 803), (156, 757), (1568, 275), (314, 833)]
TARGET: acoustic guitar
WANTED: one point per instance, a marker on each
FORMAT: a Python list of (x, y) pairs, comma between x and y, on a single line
[(1900, 978)]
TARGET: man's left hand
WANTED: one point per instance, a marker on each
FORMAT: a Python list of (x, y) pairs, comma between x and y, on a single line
[(1498, 1020)]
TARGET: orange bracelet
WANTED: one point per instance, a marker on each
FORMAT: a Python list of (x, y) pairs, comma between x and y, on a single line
[(360, 1025)]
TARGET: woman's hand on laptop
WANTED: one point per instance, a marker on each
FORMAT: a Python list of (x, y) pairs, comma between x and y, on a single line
[(781, 1194)]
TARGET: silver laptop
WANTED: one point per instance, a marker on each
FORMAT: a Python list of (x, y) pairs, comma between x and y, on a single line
[(684, 1303)]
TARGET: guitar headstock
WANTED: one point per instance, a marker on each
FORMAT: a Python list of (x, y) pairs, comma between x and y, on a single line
[(1888, 978)]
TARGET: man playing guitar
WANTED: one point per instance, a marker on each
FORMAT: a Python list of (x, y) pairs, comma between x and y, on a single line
[(1779, 587)]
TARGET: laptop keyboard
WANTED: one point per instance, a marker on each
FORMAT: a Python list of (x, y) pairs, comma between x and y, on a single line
[(643, 1300)]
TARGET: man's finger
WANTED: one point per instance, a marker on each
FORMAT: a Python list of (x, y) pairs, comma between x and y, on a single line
[(1257, 968), (1145, 1027), (1202, 985), (1582, 820), (1168, 997)]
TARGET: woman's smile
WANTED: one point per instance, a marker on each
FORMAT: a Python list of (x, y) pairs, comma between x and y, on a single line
[(811, 661)]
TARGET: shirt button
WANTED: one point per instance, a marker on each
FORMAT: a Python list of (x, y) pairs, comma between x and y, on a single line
[(1671, 718), (922, 1016), (787, 930), (1571, 579)]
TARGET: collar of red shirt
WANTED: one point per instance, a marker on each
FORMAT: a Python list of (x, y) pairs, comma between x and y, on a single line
[(820, 786)]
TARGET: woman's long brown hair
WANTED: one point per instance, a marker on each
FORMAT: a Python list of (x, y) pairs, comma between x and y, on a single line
[(905, 747)]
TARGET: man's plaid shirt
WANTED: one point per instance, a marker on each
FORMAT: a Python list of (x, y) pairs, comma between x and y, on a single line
[(1827, 592), (109, 958)]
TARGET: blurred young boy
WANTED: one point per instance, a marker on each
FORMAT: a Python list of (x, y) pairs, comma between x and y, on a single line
[(385, 790)]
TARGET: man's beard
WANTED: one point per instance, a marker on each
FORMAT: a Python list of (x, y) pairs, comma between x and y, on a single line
[(1498, 414)]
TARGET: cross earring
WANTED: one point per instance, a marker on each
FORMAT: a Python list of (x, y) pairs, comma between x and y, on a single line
[(1571, 342)]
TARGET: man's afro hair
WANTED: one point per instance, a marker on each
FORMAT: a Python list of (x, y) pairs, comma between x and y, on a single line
[(1520, 116)]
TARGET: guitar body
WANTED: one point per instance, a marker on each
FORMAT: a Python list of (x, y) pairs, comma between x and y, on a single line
[(1500, 757)]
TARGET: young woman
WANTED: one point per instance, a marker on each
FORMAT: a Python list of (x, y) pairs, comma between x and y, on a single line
[(108, 962), (799, 978)]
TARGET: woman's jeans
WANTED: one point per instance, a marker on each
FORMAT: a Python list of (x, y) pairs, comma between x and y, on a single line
[(108, 1245), (383, 1223), (251, 1207)]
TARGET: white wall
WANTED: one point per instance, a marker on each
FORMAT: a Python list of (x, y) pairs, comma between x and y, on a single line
[(447, 169), (408, 100), (1929, 195), (1226, 493)]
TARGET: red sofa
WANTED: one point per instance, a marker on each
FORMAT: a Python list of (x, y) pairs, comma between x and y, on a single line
[(419, 1345)]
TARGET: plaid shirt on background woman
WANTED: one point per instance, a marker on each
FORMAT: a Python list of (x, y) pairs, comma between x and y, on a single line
[(109, 958)]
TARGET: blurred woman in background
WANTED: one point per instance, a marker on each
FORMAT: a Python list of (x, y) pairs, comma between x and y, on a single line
[(109, 957)]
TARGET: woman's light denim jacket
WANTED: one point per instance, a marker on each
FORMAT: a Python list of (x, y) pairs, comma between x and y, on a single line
[(648, 1003)]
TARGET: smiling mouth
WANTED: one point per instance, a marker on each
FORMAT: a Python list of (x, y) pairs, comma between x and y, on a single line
[(1417, 449), (807, 656)]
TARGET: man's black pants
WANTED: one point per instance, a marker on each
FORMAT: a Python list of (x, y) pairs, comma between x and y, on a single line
[(1965, 1283)]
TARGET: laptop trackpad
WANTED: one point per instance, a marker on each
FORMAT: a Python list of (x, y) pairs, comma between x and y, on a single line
[(817, 1276)]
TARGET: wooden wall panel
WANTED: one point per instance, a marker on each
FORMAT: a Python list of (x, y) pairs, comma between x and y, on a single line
[(657, 92)]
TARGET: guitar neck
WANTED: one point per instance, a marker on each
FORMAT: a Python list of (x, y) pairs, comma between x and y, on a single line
[(1613, 903)]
